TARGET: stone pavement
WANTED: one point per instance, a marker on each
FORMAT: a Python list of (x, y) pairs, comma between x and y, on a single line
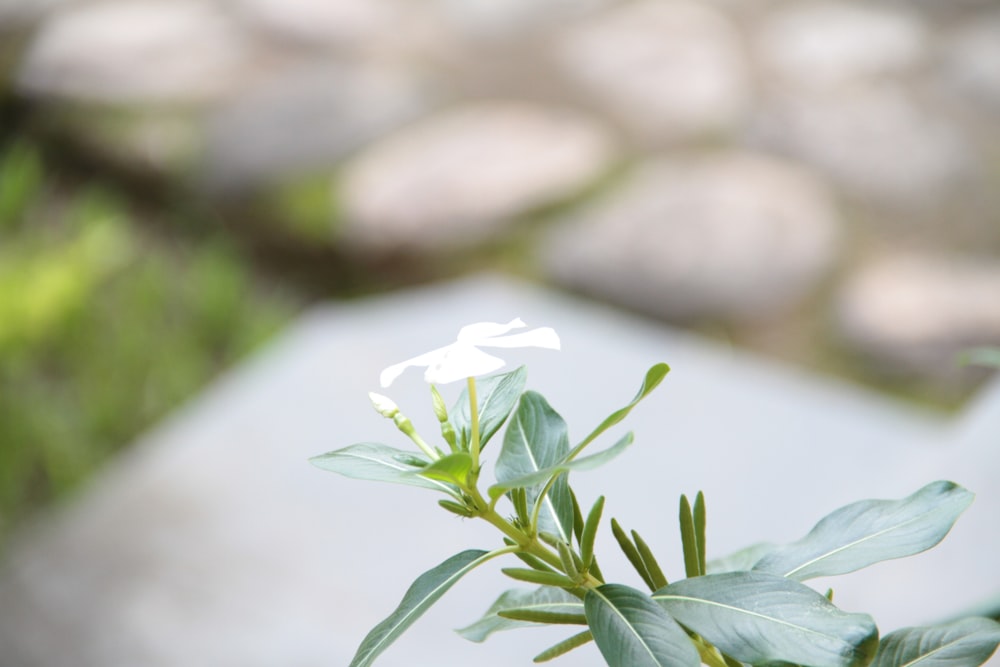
[(213, 542), (730, 161)]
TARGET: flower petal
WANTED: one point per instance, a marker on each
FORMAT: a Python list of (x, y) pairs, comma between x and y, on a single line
[(473, 333), (542, 337), (461, 361), (389, 375)]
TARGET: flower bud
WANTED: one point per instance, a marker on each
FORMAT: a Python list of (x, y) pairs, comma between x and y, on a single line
[(383, 405)]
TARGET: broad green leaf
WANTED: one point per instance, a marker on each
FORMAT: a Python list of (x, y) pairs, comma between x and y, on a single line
[(583, 463), (742, 560), (496, 397), (966, 643), (654, 376), (633, 631), (757, 617), (424, 592), (536, 439), (453, 469), (546, 598), (870, 531), (379, 463)]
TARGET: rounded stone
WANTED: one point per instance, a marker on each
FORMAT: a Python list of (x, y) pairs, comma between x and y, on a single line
[(829, 44), (875, 141), (137, 51), (458, 178), (918, 311), (665, 70), (307, 117), (972, 59), (731, 236)]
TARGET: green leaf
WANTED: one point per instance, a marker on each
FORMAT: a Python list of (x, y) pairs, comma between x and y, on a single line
[(654, 376), (966, 643), (536, 439), (544, 599), (496, 396), (424, 592), (565, 646), (380, 463), (633, 631), (539, 577), (543, 475), (632, 553), (870, 531), (742, 560), (689, 543), (757, 617), (453, 469)]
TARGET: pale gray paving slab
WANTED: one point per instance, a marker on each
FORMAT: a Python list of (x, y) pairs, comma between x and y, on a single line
[(213, 542)]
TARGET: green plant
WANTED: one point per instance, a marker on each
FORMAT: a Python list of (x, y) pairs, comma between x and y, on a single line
[(749, 609), (104, 327)]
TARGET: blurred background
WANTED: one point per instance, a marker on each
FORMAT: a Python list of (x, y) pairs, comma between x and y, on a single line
[(815, 181)]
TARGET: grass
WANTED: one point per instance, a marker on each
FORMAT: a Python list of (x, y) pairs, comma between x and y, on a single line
[(105, 327)]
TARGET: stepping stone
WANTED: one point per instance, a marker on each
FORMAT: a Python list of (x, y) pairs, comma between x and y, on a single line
[(150, 51), (665, 70), (730, 236), (918, 312), (461, 177), (214, 542)]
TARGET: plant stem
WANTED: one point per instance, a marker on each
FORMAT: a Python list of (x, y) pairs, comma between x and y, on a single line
[(474, 437)]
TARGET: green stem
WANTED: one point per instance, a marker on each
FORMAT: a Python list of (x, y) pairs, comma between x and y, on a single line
[(474, 438)]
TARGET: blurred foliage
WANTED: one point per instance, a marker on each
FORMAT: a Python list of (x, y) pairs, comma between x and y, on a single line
[(105, 326)]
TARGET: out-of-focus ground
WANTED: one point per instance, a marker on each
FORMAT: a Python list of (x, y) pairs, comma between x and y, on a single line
[(815, 181)]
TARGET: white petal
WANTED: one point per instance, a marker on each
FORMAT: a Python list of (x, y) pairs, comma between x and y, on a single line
[(389, 375), (543, 337), (461, 361), (473, 333)]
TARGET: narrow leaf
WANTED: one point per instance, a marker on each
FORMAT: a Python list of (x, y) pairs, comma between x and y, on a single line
[(424, 592), (589, 533), (656, 575), (631, 553), (539, 616), (496, 397), (537, 438), (654, 376), (966, 643), (577, 517), (758, 618), (981, 356), (546, 599), (699, 530), (539, 577), (379, 463), (689, 544), (565, 646), (633, 631), (870, 531)]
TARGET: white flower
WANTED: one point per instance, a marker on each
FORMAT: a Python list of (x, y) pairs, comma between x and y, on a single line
[(463, 358)]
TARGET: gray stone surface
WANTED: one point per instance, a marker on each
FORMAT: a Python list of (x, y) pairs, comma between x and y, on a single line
[(150, 51), (308, 117), (921, 310), (213, 542), (730, 236), (972, 59), (877, 142), (832, 44), (665, 70), (455, 179)]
